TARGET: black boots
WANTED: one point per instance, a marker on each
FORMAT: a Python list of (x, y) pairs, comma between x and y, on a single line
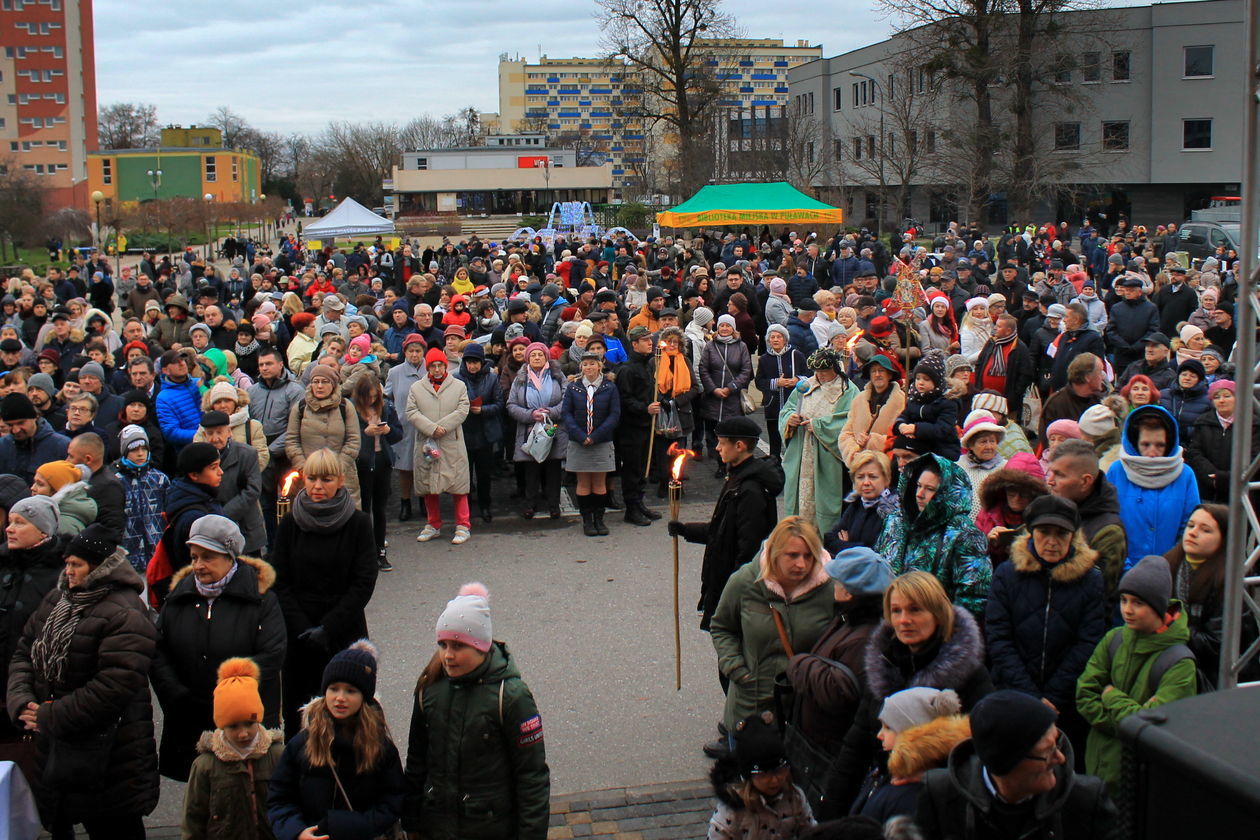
[(404, 510), (586, 506), (648, 512), (635, 515), (597, 513)]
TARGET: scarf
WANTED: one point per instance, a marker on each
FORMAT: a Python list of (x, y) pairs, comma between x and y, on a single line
[(436, 380), (49, 651), (989, 465), (727, 339), (1152, 473), (323, 517), (214, 590), (246, 349), (672, 375), (539, 388), (997, 364)]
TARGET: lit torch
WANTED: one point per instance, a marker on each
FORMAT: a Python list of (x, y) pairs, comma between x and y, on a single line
[(852, 342), (284, 502), (680, 456)]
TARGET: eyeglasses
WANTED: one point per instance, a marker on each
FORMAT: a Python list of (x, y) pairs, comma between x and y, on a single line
[(1054, 753)]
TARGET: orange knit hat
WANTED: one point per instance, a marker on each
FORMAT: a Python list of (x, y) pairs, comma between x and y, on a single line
[(59, 473), (236, 697)]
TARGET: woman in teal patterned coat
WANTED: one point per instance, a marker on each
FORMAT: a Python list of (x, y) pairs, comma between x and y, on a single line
[(933, 531)]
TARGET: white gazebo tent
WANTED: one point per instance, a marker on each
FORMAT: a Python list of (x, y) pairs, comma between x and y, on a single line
[(349, 218)]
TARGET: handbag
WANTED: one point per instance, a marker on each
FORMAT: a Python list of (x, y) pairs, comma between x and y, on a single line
[(78, 762), (746, 403), (538, 441), (668, 422)]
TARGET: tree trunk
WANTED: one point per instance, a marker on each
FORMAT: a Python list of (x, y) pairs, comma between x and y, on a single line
[(1024, 147)]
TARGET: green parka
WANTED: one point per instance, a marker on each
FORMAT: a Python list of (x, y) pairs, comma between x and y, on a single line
[(1128, 673), (226, 797), (747, 641), (476, 764)]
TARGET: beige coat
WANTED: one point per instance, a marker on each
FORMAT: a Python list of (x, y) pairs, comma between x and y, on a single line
[(245, 429), (321, 427), (426, 410), (860, 421)]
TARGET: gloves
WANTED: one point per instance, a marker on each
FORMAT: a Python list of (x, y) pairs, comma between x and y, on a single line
[(315, 636), (676, 528)]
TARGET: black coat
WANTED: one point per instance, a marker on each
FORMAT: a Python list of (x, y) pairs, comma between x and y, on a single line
[(34, 572), (863, 524), (744, 516), (111, 500), (105, 681), (1164, 375), (1020, 373), (789, 364), (636, 388), (934, 425), (1175, 306), (1071, 345), (326, 579), (1208, 452), (1042, 625), (194, 639)]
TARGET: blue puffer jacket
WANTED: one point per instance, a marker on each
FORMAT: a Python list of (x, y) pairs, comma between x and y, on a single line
[(179, 410), (606, 414), (484, 429), (1154, 511), (802, 336), (1185, 405), (23, 458), (799, 288), (1042, 622)]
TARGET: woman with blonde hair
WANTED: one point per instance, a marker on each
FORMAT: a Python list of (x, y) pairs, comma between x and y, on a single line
[(769, 610), (976, 329), (291, 304)]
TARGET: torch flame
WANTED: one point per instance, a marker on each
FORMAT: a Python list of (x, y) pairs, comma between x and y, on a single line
[(853, 340), (680, 457), (287, 486)]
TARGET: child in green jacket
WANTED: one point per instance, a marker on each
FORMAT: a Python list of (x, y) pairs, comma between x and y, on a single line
[(226, 797), (1117, 680)]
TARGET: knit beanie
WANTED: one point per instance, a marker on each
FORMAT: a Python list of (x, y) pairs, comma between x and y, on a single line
[(59, 473), (1065, 427), (236, 698), (355, 665), (17, 406), (1221, 385), (584, 330), (917, 706), (92, 369), (130, 437), (1150, 581), (12, 489), (435, 354), (40, 511), (260, 322), (363, 343), (194, 458), (728, 320), (956, 363), (932, 365), (778, 286), (859, 570), (95, 544), (539, 346), (466, 618), (324, 371), (1194, 366), (223, 391), (1188, 332), (701, 316), (1097, 421), (1005, 725), (781, 330), (758, 746), (992, 403), (43, 382)]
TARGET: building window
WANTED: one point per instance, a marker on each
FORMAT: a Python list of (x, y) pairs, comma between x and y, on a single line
[(107, 171), (1115, 136), (856, 100), (1198, 62), (422, 163), (211, 169), (809, 153), (870, 145), (857, 148), (1120, 66), (1063, 72), (235, 170), (837, 95), (930, 142), (1196, 134), (891, 90), (839, 151), (1091, 67), (1067, 137)]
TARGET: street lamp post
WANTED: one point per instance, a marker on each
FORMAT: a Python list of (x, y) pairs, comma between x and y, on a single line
[(883, 187), (97, 198), (155, 181), (209, 197)]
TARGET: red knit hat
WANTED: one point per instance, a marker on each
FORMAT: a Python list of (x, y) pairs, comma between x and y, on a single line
[(435, 354)]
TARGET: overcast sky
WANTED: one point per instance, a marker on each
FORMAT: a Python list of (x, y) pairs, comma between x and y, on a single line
[(293, 67)]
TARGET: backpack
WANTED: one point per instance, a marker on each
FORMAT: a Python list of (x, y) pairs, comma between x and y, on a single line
[(1167, 658), (160, 569)]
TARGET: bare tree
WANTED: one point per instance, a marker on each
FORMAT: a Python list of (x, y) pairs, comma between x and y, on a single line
[(670, 69), (233, 125), (360, 156), (128, 125), (908, 152)]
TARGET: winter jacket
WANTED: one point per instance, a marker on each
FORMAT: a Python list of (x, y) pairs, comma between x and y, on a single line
[(1163, 375), (1186, 406), (476, 760), (636, 388), (784, 817), (34, 573), (934, 425), (826, 699), (863, 523), (1128, 322), (330, 423), (352, 373), (1208, 453), (397, 387), (1042, 622), (1020, 373), (78, 509), (178, 409), (523, 416), (957, 803), (186, 502), (105, 682), (240, 493), (301, 795), (802, 336), (226, 797), (270, 403), (1072, 344), (301, 352), (1153, 516), (605, 413), (878, 426), (918, 749), (748, 647), (22, 458), (367, 461), (743, 517), (325, 579), (195, 636), (1096, 312), (724, 365), (778, 311), (942, 539), (1175, 304), (956, 663), (1128, 671), (486, 428), (426, 410), (790, 364), (144, 489)]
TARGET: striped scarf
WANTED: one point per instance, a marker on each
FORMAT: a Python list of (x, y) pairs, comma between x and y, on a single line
[(1002, 348), (49, 651)]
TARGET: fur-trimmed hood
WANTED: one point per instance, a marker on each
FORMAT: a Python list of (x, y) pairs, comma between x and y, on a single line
[(993, 488), (1070, 570), (214, 742), (723, 775), (891, 667), (927, 746), (262, 569)]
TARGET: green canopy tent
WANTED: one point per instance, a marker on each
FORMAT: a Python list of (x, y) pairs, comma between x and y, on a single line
[(777, 202)]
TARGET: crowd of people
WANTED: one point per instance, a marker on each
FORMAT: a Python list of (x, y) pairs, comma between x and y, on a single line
[(1001, 466)]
